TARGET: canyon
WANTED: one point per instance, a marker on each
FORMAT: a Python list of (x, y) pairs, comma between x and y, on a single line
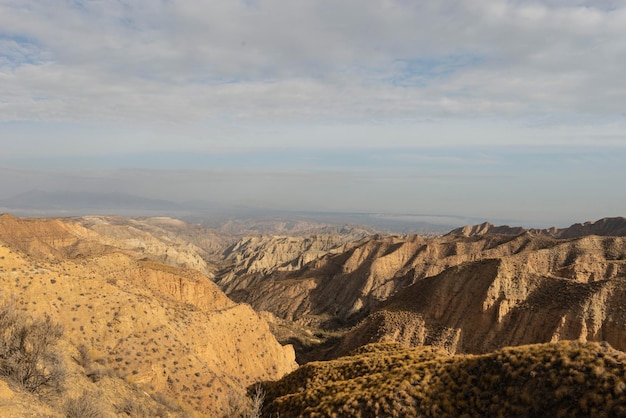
[(198, 317)]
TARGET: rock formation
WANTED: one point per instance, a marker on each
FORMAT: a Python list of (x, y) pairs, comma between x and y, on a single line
[(168, 329), (467, 293), (169, 241), (480, 306), (252, 258), (137, 293)]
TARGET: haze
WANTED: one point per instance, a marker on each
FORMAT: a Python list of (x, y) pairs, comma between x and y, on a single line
[(486, 109)]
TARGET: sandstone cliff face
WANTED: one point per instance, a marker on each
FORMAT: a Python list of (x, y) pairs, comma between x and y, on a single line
[(351, 283), (166, 240), (334, 285), (469, 294), (252, 258), (574, 290), (169, 330)]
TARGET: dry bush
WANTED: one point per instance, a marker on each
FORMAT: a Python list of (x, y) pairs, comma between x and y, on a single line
[(137, 407), (96, 374), (28, 354), (84, 356), (256, 402), (85, 406), (131, 408), (245, 407), (86, 359), (168, 403)]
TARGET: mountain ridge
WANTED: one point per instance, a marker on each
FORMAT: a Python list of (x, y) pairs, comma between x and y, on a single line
[(609, 226)]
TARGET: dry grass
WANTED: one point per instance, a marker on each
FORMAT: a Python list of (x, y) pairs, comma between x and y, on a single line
[(245, 407), (85, 406), (561, 380)]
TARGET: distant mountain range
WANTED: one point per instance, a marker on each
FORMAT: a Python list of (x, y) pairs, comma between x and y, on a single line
[(237, 220), (44, 200), (615, 226)]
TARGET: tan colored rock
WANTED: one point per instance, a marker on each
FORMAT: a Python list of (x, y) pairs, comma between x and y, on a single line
[(167, 329), (480, 306), (254, 257), (467, 293), (166, 240)]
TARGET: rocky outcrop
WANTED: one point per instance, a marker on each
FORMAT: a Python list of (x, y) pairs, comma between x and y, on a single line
[(481, 306), (345, 286), (468, 294), (486, 228), (253, 258), (603, 227), (166, 240)]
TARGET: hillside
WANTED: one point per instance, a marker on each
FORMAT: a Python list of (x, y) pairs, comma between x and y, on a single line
[(559, 379), (468, 293), (168, 330), (43, 375), (480, 306), (252, 258), (166, 240), (345, 285), (144, 297)]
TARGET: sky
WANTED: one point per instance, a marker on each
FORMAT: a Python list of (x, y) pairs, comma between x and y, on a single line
[(481, 108)]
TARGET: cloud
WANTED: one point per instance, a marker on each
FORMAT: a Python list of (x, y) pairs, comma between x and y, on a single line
[(183, 61), (503, 108)]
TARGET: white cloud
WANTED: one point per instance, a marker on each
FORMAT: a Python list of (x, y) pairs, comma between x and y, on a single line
[(153, 63), (85, 84)]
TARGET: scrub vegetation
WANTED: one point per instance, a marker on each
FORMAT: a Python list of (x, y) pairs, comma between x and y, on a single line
[(385, 379)]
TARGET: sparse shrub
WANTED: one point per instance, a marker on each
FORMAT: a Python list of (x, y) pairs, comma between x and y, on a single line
[(169, 403), (28, 354), (85, 406), (133, 409), (256, 397), (95, 374), (84, 356), (383, 380), (240, 406)]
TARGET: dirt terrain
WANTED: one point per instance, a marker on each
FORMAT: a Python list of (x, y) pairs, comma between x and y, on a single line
[(144, 298), (470, 291), (168, 330)]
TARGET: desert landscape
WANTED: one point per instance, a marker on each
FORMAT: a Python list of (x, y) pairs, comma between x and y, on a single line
[(284, 209), (115, 316)]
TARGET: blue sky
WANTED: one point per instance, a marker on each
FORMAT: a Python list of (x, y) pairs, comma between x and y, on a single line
[(487, 109)]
